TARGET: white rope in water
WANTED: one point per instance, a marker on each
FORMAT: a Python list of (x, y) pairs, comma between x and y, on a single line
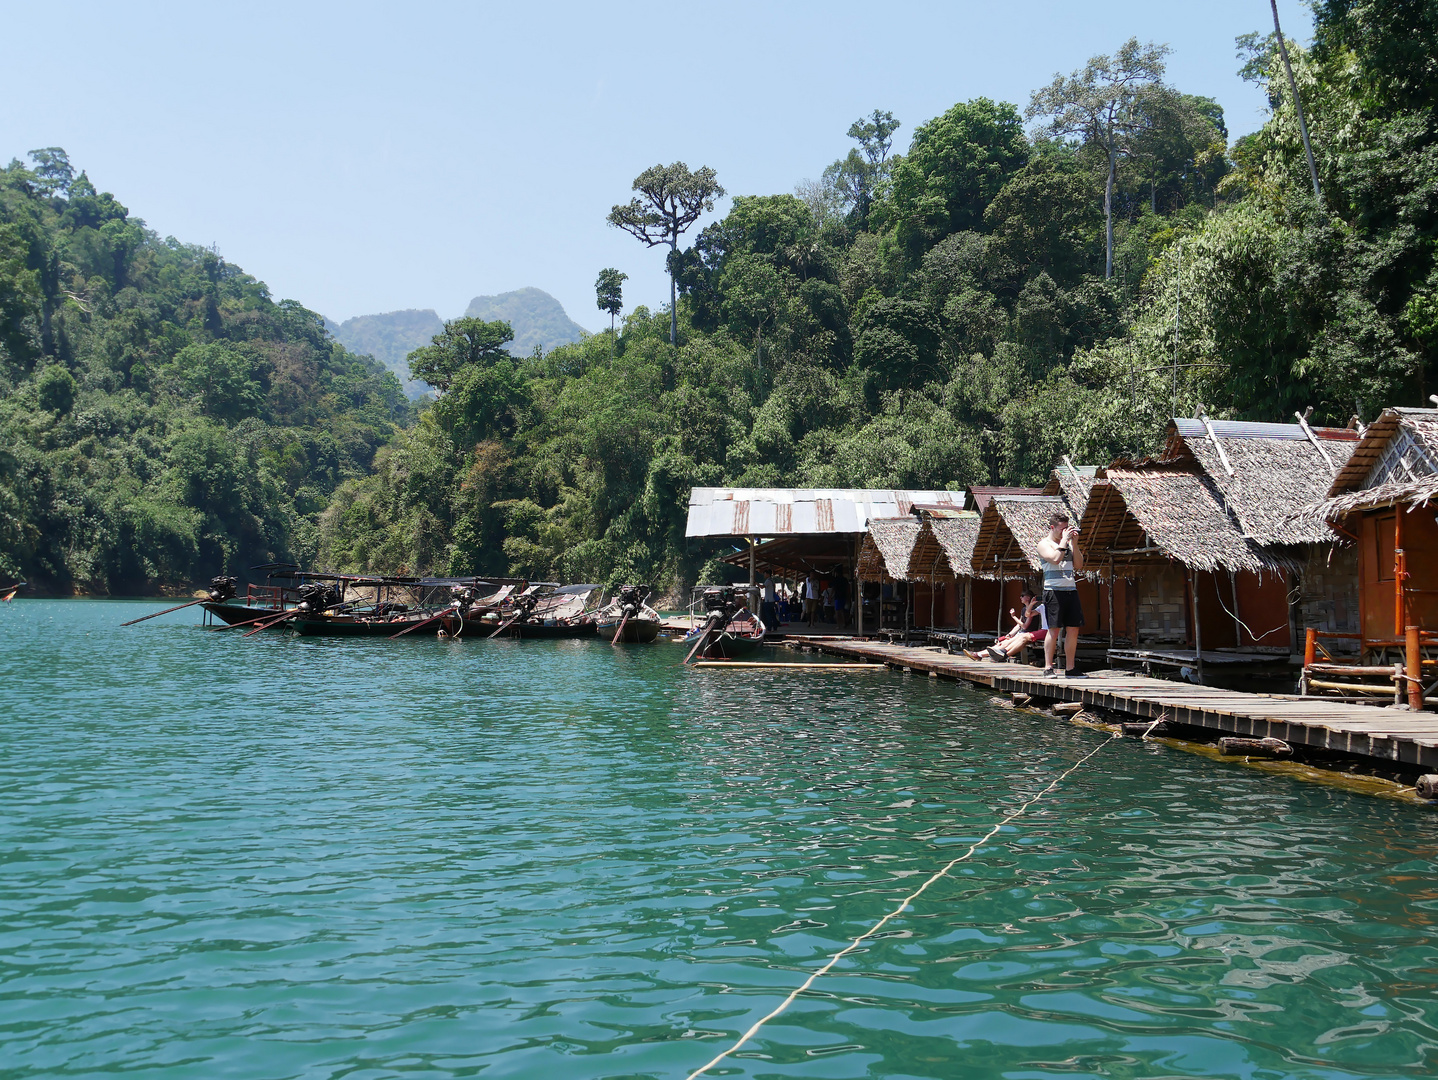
[(867, 934)]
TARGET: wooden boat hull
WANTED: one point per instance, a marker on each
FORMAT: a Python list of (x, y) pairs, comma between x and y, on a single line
[(541, 630), (230, 614), (343, 626), (728, 646), (636, 631)]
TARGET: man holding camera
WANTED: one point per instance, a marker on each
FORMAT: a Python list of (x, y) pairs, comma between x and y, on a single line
[(1061, 601)]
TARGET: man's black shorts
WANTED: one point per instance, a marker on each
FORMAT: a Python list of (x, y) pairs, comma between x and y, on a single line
[(1062, 608)]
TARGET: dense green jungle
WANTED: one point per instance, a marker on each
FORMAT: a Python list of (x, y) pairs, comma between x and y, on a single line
[(952, 314)]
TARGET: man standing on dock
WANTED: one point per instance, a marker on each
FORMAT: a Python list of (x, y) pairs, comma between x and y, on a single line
[(1061, 600)]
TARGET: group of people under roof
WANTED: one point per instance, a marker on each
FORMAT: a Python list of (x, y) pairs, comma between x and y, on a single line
[(1055, 615)]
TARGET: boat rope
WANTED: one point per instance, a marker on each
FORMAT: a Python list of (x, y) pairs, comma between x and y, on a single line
[(904, 903)]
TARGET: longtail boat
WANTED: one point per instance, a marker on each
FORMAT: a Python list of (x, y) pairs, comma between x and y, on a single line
[(627, 618), (546, 611), (730, 630)]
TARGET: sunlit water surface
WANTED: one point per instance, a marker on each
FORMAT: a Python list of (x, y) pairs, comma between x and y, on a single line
[(285, 857)]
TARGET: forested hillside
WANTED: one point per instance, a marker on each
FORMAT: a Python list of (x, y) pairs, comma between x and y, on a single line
[(954, 315), (162, 419), (961, 301)]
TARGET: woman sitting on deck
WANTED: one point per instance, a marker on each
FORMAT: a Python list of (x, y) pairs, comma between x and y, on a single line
[(1029, 628)]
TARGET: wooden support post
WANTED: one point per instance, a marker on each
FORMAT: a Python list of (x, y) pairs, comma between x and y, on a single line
[(1310, 647), (1237, 622), (1400, 567), (968, 605), (1413, 669), (1197, 625), (1110, 603)]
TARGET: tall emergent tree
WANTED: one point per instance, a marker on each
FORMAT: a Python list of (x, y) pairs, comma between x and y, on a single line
[(673, 199), (1103, 104), (609, 296), (858, 174)]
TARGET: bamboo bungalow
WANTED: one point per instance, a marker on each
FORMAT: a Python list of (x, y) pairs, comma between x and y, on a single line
[(1165, 527), (1383, 501), (945, 546), (884, 556), (926, 558), (1265, 475), (1006, 550)]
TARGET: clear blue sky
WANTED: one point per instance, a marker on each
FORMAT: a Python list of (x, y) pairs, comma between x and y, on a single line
[(363, 158)]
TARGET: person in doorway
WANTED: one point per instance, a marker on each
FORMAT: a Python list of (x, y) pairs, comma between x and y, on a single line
[(1062, 559), (828, 597), (769, 611), (1030, 627), (811, 599)]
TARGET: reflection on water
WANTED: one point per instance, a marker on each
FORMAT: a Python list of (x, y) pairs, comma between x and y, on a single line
[(298, 858)]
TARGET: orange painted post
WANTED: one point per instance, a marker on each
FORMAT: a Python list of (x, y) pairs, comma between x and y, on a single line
[(1400, 567), (1310, 647), (1413, 669)]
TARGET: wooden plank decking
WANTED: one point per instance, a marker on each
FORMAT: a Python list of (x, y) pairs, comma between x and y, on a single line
[(1390, 735)]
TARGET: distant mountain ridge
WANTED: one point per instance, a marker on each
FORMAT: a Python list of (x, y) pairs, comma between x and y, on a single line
[(537, 319)]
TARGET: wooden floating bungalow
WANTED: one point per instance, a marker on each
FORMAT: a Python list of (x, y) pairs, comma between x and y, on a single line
[(1164, 529), (1220, 570), (924, 561), (884, 562), (1006, 550), (1382, 503)]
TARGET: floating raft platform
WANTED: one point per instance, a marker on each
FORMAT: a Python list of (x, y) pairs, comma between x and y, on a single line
[(1388, 735)]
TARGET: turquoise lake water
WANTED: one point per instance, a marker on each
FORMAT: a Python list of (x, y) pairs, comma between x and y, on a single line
[(285, 857)]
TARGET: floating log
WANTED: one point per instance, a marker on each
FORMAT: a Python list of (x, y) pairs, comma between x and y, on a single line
[(1068, 708), (1160, 728), (1427, 786), (1020, 699), (1269, 747)]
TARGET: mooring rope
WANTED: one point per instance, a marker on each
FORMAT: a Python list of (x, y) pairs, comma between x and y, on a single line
[(867, 934)]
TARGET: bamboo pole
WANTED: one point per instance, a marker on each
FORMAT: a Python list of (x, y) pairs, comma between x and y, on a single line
[(1413, 669)]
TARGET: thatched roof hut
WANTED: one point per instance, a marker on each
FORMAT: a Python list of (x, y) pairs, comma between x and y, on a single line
[(1143, 514), (1264, 474), (947, 541), (886, 549), (1394, 464), (1009, 533)]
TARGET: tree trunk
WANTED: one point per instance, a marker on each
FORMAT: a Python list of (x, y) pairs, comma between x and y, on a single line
[(611, 339), (1108, 210), (673, 296)]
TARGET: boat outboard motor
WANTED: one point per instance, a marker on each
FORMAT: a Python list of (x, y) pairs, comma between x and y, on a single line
[(723, 599), (222, 588), (630, 599), (316, 596), (463, 596)]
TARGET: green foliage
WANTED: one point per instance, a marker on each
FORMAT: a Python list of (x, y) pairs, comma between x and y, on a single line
[(163, 419), (956, 165)]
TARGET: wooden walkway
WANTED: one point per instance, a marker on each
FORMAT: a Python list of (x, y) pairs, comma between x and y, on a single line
[(1390, 735)]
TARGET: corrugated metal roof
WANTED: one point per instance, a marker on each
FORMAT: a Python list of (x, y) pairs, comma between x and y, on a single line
[(798, 511), (1245, 429), (983, 495)]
